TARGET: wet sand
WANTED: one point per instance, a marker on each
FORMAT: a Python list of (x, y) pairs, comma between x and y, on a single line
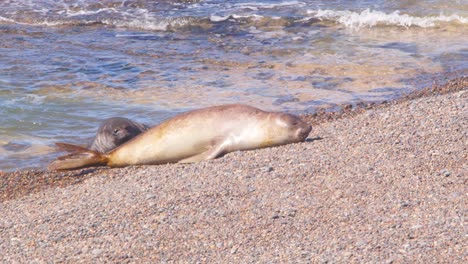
[(374, 183)]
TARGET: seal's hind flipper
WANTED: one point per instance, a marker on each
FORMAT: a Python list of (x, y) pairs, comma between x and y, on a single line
[(213, 152), (70, 148), (79, 158)]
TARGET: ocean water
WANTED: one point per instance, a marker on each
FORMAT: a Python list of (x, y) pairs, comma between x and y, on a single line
[(67, 65)]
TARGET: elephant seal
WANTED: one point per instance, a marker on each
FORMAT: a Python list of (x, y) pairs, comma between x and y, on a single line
[(115, 131), (197, 135)]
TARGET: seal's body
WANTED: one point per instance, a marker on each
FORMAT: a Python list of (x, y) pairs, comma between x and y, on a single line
[(115, 131), (195, 136)]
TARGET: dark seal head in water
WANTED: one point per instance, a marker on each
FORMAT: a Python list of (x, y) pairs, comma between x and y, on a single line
[(115, 131)]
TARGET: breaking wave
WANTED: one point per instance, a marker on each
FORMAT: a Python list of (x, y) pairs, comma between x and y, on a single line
[(149, 17), (369, 18)]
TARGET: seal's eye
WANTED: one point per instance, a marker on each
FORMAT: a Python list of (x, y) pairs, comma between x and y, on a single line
[(115, 131)]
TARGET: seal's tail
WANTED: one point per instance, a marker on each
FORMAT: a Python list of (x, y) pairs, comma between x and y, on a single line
[(78, 158)]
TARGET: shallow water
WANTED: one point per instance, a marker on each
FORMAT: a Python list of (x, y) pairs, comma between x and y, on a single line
[(67, 65)]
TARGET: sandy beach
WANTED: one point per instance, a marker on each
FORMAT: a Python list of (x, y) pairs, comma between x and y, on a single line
[(375, 184)]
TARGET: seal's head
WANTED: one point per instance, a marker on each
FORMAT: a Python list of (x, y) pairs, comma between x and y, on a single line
[(292, 127), (115, 131)]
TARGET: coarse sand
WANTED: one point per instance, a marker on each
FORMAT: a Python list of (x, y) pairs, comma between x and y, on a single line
[(373, 184)]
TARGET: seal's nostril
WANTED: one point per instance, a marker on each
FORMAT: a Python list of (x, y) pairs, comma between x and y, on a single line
[(304, 131)]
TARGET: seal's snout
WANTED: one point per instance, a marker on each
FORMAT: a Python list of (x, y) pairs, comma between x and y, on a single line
[(299, 130), (303, 131)]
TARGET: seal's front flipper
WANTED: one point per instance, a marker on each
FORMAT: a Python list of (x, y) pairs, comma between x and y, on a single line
[(211, 153)]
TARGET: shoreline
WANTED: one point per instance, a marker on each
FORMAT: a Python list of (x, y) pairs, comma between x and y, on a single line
[(22, 182), (348, 110), (377, 183)]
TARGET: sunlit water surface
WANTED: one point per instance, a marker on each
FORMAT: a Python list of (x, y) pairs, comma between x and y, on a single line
[(67, 65)]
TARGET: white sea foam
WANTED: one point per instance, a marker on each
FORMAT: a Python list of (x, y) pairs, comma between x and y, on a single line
[(71, 13), (215, 18), (254, 16), (150, 23), (369, 18), (46, 22), (35, 99), (252, 6), (6, 19), (255, 6)]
